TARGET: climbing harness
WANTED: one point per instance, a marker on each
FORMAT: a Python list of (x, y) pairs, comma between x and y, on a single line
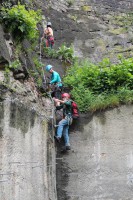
[(69, 118), (50, 40)]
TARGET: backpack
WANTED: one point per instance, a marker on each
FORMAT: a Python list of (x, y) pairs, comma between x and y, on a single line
[(75, 110)]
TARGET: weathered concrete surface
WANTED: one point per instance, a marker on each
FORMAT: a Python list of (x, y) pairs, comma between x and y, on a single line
[(27, 150), (100, 164)]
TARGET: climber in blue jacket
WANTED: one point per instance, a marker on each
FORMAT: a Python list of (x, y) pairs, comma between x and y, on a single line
[(56, 81)]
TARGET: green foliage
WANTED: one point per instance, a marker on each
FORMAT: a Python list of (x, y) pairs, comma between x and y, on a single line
[(123, 20), (15, 64), (103, 101), (125, 95), (82, 96), (38, 72), (100, 86), (64, 53), (21, 22), (70, 2), (74, 17), (6, 74), (50, 53), (86, 8)]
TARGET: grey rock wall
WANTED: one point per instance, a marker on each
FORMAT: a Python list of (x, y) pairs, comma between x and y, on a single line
[(94, 27), (27, 151), (5, 47), (100, 164)]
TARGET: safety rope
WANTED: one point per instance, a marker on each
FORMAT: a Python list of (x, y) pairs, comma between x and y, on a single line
[(49, 95), (40, 57), (40, 49)]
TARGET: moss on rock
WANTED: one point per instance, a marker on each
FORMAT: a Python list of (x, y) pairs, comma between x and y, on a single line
[(86, 8), (117, 31)]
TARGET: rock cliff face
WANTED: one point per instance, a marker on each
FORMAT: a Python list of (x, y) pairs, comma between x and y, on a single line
[(5, 48), (27, 151), (97, 28), (100, 164)]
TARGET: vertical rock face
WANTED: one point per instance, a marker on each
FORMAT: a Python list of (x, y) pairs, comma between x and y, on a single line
[(5, 47), (96, 28), (27, 151), (100, 164), (27, 154)]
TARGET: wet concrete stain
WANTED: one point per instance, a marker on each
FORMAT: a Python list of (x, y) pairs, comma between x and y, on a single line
[(62, 174), (21, 117)]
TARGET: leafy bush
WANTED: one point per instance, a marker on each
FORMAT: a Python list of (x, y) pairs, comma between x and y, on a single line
[(83, 97), (21, 22), (50, 53), (15, 64), (100, 86), (64, 53)]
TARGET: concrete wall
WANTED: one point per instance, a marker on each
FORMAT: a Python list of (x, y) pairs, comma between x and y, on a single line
[(100, 164), (27, 154)]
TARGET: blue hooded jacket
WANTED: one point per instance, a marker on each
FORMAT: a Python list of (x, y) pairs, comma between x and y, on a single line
[(55, 78)]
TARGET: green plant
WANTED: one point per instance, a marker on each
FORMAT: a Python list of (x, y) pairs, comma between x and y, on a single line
[(37, 77), (123, 20), (15, 64), (37, 72), (64, 53), (74, 17), (70, 2), (125, 95), (50, 53), (83, 98), (86, 8), (21, 22), (6, 74), (103, 101), (96, 87)]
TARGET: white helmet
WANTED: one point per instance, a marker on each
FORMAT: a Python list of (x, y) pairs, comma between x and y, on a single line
[(49, 24)]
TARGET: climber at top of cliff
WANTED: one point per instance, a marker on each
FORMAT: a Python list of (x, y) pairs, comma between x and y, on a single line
[(48, 34), (55, 82), (63, 126)]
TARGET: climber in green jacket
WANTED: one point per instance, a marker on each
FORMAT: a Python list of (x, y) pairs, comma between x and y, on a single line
[(63, 126), (56, 81)]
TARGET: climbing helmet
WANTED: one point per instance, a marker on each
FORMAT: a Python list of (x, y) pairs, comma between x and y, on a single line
[(48, 68), (49, 24), (65, 95)]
